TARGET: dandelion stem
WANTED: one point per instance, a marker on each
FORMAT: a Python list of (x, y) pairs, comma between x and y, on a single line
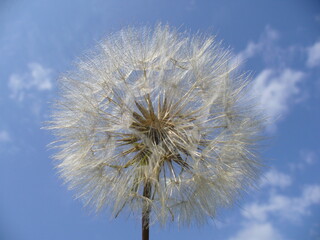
[(146, 211)]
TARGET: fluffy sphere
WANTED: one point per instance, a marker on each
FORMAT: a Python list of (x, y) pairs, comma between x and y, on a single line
[(156, 118)]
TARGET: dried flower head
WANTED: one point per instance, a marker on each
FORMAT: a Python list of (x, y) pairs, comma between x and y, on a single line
[(156, 121)]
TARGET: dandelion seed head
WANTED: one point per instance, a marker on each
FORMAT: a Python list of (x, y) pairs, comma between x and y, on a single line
[(160, 107)]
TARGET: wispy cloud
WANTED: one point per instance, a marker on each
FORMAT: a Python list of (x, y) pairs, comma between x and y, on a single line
[(313, 53), (276, 90), (36, 78), (268, 50), (4, 136), (307, 157), (277, 86), (264, 46), (285, 207), (254, 231), (275, 178), (258, 224)]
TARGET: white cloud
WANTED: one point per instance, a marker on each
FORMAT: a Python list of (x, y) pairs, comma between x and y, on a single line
[(313, 55), (276, 89), (267, 50), (307, 157), (277, 84), (284, 207), (265, 45), (276, 179), (257, 222), (4, 136), (37, 78), (257, 231)]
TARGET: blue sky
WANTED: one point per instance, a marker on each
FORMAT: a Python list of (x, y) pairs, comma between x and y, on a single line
[(279, 42)]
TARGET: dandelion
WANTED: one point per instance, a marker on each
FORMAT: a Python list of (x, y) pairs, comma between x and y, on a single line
[(156, 123)]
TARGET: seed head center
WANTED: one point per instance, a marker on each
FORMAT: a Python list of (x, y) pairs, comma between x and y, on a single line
[(148, 122)]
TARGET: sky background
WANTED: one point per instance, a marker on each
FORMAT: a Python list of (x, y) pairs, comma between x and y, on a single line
[(279, 43)]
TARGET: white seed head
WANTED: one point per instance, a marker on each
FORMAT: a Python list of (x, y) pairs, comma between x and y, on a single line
[(162, 108)]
